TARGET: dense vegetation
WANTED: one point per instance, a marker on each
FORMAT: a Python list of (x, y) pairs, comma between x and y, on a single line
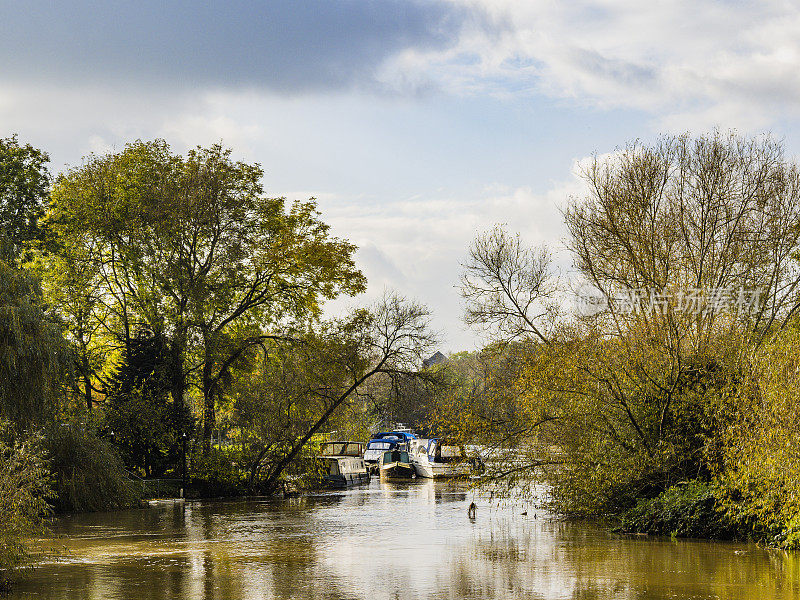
[(670, 405), (158, 308)]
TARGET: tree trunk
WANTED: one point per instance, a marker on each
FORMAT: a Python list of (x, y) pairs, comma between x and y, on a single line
[(177, 375), (209, 412), (87, 387), (272, 482)]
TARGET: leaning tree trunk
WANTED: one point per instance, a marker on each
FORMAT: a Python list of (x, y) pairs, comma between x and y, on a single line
[(273, 478)]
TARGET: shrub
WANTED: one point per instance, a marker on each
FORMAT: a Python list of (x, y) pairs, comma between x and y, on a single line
[(217, 472), (24, 491), (686, 510), (88, 473)]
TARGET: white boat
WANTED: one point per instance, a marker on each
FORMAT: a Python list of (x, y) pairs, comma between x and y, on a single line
[(386, 440), (436, 458), (342, 464)]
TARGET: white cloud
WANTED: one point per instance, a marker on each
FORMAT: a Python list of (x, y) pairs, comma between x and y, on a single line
[(692, 64), (417, 245), (72, 121)]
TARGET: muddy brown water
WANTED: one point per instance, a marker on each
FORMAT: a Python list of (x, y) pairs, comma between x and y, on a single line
[(387, 541)]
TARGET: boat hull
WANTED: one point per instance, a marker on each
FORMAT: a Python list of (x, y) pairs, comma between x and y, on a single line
[(442, 470), (345, 480), (397, 471)]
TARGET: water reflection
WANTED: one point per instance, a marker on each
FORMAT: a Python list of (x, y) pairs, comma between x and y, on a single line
[(389, 540)]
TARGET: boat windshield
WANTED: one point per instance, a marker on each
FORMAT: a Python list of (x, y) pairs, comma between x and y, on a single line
[(380, 445), (395, 456)]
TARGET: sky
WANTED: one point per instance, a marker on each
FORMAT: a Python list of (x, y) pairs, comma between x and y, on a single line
[(416, 124)]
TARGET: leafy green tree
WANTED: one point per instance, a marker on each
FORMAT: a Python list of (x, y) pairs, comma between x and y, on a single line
[(24, 189), (73, 286), (192, 248), (33, 355), (147, 427)]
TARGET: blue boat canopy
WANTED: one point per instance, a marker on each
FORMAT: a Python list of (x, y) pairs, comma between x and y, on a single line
[(388, 440), (400, 435)]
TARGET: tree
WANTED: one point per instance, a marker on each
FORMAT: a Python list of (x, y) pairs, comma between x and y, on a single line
[(635, 399), (487, 402), (711, 213), (32, 352), (147, 427), (508, 288), (190, 247), (33, 355), (301, 387), (760, 475), (24, 188), (24, 492), (86, 471)]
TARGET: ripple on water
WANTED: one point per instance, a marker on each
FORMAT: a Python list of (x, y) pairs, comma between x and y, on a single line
[(389, 540)]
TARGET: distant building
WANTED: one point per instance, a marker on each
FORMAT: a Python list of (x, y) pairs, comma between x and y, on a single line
[(436, 359)]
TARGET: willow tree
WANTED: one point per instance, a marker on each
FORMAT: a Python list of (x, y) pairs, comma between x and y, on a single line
[(32, 351), (191, 248), (33, 360), (33, 355)]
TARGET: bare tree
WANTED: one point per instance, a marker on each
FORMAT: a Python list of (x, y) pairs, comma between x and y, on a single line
[(713, 213), (508, 288), (324, 370)]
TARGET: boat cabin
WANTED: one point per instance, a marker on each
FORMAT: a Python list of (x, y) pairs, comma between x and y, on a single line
[(342, 449), (396, 463), (342, 464)]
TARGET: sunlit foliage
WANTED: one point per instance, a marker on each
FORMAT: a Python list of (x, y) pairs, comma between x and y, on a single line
[(622, 409)]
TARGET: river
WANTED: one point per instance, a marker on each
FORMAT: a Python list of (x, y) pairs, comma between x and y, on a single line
[(386, 541)]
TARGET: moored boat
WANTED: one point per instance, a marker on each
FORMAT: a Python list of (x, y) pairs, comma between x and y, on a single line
[(437, 458), (396, 464), (386, 441), (342, 464)]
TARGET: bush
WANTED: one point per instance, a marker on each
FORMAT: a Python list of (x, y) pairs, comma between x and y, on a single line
[(218, 473), (24, 491), (687, 510), (88, 473)]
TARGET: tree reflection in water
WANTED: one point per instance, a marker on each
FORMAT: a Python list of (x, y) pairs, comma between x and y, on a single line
[(388, 540)]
